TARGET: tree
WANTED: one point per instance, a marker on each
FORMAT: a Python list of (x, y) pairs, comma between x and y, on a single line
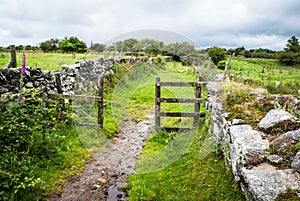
[(239, 51), (292, 45), (291, 53), (180, 49), (217, 54), (151, 46), (99, 47), (127, 45), (51, 45), (72, 44)]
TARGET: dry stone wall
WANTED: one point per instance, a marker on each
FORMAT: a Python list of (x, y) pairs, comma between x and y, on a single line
[(247, 151), (79, 78)]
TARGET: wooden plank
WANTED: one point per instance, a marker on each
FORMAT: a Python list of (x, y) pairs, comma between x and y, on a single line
[(183, 84), (88, 125), (175, 129), (182, 100), (77, 97), (180, 114), (82, 97)]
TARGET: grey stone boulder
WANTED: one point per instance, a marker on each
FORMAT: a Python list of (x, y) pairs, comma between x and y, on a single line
[(296, 162), (274, 117), (265, 182), (247, 147), (285, 140)]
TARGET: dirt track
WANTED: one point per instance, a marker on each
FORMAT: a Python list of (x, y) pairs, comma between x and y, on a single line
[(103, 177)]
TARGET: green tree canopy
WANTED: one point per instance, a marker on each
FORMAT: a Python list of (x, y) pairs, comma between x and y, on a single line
[(291, 53), (217, 54), (180, 49), (72, 44), (292, 45), (50, 45)]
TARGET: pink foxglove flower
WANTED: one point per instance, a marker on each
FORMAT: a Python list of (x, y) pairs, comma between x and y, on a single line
[(91, 46), (24, 64)]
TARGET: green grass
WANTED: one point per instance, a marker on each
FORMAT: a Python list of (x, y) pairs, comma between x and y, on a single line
[(191, 177), (46, 61), (72, 158), (265, 73), (181, 171)]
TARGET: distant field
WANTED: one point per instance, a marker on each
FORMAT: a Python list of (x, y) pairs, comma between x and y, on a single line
[(266, 73), (46, 61), (257, 72)]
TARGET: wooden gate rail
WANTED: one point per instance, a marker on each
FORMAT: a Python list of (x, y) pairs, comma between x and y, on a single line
[(197, 101)]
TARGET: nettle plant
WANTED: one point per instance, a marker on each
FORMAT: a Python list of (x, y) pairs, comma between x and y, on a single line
[(29, 133)]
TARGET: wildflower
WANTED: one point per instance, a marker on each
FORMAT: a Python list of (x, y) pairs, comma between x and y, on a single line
[(91, 46), (24, 64)]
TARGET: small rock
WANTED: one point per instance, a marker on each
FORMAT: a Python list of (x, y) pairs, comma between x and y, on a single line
[(46, 73), (124, 119), (285, 140), (3, 90), (275, 159), (29, 85), (274, 117), (102, 181), (258, 91), (296, 162), (95, 186), (259, 97), (237, 121)]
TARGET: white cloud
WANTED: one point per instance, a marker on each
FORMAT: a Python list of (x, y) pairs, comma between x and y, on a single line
[(266, 23)]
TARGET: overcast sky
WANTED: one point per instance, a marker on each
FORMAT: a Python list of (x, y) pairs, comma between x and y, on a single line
[(225, 23)]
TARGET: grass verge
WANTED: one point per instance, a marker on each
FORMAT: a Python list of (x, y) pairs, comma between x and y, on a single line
[(189, 178)]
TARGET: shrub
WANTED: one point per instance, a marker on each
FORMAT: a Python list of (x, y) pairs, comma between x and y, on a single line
[(221, 64), (217, 54), (29, 127)]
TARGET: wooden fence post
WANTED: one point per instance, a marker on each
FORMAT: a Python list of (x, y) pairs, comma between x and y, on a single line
[(13, 61), (227, 67), (100, 102), (157, 103), (197, 104), (58, 83)]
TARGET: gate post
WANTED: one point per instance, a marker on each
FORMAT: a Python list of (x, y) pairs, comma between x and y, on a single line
[(100, 102), (197, 104), (157, 103)]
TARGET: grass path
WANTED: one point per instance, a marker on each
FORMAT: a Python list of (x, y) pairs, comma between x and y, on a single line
[(190, 177)]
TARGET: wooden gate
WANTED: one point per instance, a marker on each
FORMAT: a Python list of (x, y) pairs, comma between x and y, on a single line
[(197, 101), (99, 99)]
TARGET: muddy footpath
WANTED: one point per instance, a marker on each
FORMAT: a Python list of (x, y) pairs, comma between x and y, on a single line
[(104, 176)]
